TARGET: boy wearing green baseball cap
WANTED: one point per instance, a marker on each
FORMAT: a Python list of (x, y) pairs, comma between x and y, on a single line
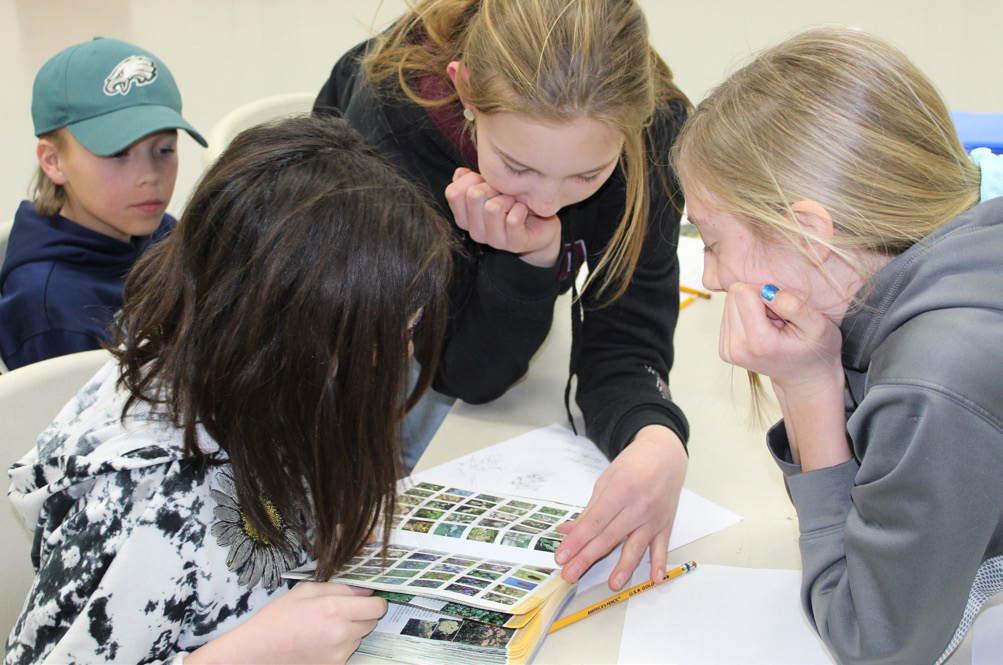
[(106, 113)]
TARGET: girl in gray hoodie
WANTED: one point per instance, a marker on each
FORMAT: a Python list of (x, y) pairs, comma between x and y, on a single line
[(842, 218)]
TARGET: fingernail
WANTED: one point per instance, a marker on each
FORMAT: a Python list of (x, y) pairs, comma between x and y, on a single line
[(769, 292), (618, 582), (560, 557)]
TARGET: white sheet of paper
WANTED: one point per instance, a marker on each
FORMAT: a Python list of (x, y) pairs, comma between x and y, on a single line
[(715, 615), (552, 463), (987, 636)]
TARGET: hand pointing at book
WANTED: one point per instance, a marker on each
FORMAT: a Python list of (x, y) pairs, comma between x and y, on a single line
[(634, 502)]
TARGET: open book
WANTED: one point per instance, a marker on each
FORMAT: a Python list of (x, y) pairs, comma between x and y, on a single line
[(469, 576)]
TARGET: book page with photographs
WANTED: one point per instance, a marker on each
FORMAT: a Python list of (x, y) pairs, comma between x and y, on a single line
[(408, 630), (452, 633), (491, 584), (459, 610), (489, 550), (482, 524)]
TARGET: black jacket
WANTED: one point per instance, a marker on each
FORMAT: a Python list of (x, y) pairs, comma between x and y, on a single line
[(502, 307)]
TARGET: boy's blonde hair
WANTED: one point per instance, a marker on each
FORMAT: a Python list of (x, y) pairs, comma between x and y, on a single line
[(555, 61), (838, 117), (48, 197)]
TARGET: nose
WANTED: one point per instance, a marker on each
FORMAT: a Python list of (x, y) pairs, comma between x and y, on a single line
[(544, 200), (711, 273), (147, 171)]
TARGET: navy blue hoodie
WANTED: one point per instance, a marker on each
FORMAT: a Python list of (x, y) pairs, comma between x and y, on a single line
[(61, 285)]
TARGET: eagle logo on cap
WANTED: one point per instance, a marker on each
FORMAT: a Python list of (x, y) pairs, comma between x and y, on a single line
[(137, 69)]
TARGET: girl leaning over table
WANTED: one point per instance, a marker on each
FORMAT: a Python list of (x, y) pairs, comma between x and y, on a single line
[(860, 254), (542, 128)]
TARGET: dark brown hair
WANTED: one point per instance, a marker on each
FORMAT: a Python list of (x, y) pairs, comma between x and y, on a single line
[(275, 318)]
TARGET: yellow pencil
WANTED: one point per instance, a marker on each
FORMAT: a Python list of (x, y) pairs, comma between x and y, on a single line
[(695, 292), (688, 301), (623, 595)]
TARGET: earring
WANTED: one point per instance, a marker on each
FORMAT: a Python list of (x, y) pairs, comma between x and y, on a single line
[(468, 115)]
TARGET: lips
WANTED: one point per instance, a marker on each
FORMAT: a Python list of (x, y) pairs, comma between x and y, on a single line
[(149, 206)]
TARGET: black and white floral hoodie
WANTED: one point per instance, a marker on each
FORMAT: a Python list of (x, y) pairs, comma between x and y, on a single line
[(140, 555)]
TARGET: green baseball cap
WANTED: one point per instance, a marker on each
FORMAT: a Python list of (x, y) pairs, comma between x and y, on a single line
[(108, 94)]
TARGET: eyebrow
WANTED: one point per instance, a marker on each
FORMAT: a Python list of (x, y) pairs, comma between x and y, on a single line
[(516, 162)]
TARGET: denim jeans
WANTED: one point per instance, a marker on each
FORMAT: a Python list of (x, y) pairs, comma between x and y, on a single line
[(423, 421)]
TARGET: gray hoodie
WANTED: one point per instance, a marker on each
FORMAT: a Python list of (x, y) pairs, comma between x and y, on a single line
[(901, 545)]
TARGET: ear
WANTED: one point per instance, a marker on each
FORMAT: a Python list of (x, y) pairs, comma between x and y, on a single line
[(813, 218), (48, 158), (458, 71)]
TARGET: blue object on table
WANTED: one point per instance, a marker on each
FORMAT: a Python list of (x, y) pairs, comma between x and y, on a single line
[(980, 130)]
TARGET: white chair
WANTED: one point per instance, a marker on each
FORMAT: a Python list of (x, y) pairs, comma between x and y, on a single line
[(30, 398), (4, 236), (251, 114)]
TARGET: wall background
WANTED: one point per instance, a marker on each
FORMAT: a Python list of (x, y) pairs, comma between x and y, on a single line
[(224, 53)]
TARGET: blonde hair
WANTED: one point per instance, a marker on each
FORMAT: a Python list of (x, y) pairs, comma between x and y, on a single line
[(48, 197), (838, 117), (553, 60)]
